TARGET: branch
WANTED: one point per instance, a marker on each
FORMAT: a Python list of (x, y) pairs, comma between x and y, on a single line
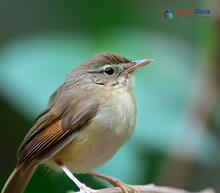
[(151, 188)]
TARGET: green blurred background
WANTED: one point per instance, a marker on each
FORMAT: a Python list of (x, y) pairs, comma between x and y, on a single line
[(177, 136)]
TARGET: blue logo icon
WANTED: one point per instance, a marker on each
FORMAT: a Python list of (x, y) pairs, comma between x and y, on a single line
[(168, 14)]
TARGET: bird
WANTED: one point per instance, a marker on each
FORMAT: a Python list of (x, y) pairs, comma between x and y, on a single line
[(87, 119)]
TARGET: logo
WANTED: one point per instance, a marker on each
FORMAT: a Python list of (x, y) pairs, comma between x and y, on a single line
[(187, 13), (168, 14)]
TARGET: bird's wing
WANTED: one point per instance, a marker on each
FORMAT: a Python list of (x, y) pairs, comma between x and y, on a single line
[(66, 115)]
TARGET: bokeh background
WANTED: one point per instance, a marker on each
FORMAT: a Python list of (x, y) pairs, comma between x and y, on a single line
[(177, 136)]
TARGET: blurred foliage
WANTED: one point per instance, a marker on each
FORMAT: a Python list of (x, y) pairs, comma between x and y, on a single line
[(41, 41)]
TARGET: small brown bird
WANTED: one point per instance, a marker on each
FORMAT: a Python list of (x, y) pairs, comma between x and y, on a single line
[(88, 118)]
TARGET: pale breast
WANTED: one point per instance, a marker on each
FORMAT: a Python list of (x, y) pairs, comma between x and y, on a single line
[(107, 132)]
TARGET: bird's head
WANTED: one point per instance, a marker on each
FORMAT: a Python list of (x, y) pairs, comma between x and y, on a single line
[(107, 70)]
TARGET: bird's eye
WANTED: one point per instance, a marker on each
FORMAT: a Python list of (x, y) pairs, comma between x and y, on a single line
[(109, 70)]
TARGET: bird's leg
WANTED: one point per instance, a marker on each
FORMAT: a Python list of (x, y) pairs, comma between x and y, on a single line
[(83, 188), (126, 188)]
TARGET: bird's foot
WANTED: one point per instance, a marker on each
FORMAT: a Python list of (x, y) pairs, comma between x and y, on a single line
[(82, 187), (85, 189), (126, 188)]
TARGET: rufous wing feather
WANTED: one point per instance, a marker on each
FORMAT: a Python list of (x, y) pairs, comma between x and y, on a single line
[(57, 127)]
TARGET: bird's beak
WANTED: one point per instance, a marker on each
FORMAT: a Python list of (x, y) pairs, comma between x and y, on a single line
[(139, 63)]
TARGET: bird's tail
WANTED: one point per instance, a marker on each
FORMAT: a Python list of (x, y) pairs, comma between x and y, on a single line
[(18, 180)]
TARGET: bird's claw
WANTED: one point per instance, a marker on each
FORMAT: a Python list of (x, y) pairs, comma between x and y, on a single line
[(126, 188), (86, 189)]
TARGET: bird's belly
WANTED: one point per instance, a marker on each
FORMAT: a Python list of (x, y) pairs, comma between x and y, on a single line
[(90, 150), (91, 155)]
